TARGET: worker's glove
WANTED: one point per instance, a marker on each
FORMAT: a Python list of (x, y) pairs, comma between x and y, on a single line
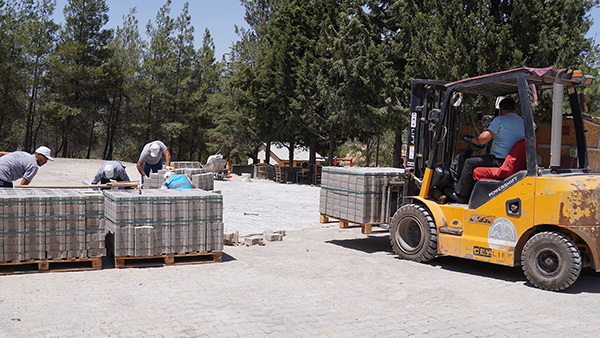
[(170, 168)]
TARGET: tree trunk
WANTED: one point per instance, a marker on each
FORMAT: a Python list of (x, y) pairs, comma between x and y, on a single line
[(31, 109), (91, 140), (268, 153), (65, 140), (291, 152), (331, 148), (398, 162), (255, 154), (312, 159), (377, 152)]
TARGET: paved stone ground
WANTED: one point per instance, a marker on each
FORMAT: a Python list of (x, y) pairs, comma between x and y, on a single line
[(327, 282), (259, 205), (319, 281)]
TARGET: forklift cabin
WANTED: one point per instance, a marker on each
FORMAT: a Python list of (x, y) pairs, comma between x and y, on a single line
[(543, 219)]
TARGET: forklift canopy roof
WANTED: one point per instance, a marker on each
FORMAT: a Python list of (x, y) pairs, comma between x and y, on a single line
[(505, 82)]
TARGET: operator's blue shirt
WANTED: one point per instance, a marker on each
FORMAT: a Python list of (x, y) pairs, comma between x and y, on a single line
[(178, 181), (508, 129)]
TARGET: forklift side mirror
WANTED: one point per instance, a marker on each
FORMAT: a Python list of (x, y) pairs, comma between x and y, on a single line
[(456, 99), (486, 120)]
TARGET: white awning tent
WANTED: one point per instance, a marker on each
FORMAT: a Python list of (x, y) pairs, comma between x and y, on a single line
[(280, 154)]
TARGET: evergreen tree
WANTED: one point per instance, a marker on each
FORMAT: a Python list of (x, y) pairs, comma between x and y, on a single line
[(40, 32), (13, 77), (77, 75), (122, 71)]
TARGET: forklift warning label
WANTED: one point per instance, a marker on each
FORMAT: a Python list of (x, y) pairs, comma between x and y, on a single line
[(481, 219), (502, 234)]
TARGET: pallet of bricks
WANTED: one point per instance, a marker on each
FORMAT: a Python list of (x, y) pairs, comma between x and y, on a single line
[(163, 227), (198, 175), (45, 230), (355, 195)]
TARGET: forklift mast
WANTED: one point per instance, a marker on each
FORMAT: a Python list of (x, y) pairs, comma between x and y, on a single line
[(425, 110)]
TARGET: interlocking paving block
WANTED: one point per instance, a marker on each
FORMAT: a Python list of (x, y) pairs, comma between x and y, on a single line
[(354, 194), (168, 221)]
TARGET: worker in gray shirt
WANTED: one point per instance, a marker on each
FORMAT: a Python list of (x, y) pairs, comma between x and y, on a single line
[(151, 158), (111, 170), (20, 164)]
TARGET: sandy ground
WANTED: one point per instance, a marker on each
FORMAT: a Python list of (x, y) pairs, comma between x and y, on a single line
[(248, 207), (70, 171)]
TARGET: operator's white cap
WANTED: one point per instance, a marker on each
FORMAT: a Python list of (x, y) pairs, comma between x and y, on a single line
[(168, 174), (44, 151), (154, 149), (498, 100), (109, 171)]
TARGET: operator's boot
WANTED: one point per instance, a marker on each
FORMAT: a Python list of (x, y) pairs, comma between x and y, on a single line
[(450, 193)]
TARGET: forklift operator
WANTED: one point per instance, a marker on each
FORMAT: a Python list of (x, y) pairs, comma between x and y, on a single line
[(506, 129)]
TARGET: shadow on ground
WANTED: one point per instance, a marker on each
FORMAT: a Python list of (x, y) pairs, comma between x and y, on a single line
[(482, 269), (227, 258), (370, 244), (588, 281)]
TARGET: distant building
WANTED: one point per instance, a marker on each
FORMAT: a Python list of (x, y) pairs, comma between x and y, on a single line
[(280, 155)]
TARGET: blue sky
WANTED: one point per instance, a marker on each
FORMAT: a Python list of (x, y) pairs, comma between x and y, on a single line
[(594, 32), (219, 16)]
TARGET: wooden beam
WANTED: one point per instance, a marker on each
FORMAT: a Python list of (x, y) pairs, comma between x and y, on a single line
[(132, 184)]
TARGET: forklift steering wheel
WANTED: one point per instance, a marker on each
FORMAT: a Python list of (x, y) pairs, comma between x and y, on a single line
[(469, 140)]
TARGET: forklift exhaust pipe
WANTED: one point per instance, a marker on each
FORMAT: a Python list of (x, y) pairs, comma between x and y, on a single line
[(557, 105)]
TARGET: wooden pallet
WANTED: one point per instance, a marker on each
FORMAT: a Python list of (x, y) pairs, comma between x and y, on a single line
[(50, 265), (366, 228), (167, 259)]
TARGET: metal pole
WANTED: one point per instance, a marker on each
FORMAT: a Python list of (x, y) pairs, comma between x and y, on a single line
[(556, 140)]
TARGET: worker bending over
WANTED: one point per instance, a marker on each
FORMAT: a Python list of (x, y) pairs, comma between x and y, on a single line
[(111, 170), (176, 181), (20, 164), (151, 158)]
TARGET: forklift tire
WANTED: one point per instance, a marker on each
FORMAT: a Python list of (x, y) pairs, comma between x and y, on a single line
[(551, 261), (413, 233)]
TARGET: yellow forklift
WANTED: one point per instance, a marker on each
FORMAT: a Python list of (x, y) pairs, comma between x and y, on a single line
[(546, 220)]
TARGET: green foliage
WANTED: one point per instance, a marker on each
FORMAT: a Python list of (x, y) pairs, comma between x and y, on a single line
[(319, 73)]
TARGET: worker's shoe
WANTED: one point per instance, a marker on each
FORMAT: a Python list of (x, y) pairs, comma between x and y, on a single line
[(450, 193)]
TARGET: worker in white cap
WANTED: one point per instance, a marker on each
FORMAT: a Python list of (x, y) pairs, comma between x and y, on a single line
[(176, 181), (111, 170), (19, 164), (151, 158)]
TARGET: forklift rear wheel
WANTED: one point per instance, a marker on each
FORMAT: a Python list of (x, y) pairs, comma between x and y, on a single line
[(413, 233), (551, 261)]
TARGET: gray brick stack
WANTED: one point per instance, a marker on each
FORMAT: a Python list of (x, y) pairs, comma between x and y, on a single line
[(51, 223), (355, 194), (186, 164), (163, 221)]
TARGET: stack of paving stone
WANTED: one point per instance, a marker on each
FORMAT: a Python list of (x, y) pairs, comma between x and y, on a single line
[(355, 194), (185, 164), (51, 223), (163, 222), (200, 178)]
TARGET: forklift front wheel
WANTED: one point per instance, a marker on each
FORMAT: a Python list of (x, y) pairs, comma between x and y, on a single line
[(551, 261), (413, 234)]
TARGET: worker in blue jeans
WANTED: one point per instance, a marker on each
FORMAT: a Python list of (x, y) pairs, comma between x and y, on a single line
[(151, 158)]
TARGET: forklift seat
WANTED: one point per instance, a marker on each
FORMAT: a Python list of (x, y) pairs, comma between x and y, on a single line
[(515, 161)]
